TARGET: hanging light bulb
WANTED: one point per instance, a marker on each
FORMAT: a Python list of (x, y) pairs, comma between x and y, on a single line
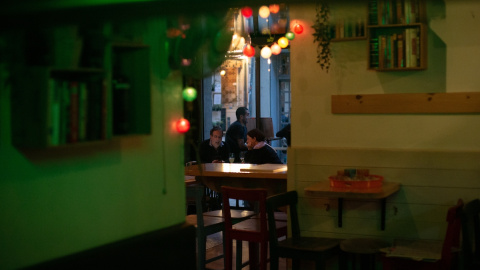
[(290, 35), (264, 12), (266, 52), (247, 12), (182, 125), (189, 94), (222, 72), (276, 49), (274, 8), (249, 50), (298, 28), (186, 62), (283, 42)]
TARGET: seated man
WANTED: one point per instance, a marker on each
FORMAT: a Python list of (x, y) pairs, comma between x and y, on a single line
[(213, 150), (259, 152)]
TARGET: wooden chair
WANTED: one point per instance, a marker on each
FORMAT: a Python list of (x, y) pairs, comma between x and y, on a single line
[(253, 230), (208, 223), (297, 247), (449, 248), (471, 235)]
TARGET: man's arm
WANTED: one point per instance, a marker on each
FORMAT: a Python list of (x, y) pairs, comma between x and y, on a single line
[(241, 145)]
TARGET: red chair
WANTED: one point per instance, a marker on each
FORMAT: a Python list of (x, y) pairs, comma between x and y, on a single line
[(449, 252), (208, 223), (253, 230)]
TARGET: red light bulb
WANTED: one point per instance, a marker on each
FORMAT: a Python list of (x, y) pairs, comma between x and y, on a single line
[(298, 28), (182, 125), (249, 51), (247, 12)]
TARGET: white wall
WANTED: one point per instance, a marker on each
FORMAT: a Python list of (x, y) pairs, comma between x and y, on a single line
[(420, 151), (312, 87)]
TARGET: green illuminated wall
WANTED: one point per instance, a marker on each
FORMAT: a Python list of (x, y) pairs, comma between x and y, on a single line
[(89, 196)]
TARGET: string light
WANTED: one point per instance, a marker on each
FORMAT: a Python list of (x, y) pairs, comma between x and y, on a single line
[(249, 51), (266, 52), (182, 125), (283, 42), (189, 94), (290, 35), (222, 72), (264, 12), (276, 49), (247, 12), (274, 8), (298, 28)]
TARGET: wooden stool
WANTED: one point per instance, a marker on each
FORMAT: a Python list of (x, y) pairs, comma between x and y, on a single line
[(363, 249)]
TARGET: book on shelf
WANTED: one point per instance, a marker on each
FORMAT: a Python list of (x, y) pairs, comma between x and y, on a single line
[(72, 131), (374, 52), (373, 12), (384, 12), (400, 53), (64, 112), (53, 111), (94, 111), (82, 111)]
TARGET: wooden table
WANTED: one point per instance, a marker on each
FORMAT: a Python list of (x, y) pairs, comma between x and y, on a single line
[(323, 189), (273, 177)]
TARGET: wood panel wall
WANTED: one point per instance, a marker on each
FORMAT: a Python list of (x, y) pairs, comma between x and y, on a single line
[(431, 182)]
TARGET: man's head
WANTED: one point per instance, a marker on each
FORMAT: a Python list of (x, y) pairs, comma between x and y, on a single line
[(254, 137), (242, 114), (216, 135)]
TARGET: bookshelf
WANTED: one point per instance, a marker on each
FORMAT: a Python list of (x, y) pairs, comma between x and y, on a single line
[(131, 89), (348, 29), (397, 35), (63, 91)]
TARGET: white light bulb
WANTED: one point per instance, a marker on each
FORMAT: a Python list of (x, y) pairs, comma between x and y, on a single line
[(264, 12), (266, 52)]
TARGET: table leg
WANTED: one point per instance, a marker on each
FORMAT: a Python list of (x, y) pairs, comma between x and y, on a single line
[(340, 212), (383, 210)]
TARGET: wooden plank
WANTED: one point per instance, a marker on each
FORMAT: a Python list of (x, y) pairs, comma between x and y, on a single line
[(466, 102)]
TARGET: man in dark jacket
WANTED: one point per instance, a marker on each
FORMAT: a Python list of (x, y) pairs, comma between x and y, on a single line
[(213, 150), (259, 152), (237, 133)]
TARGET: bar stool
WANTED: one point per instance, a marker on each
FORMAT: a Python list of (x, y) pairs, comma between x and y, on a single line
[(363, 250)]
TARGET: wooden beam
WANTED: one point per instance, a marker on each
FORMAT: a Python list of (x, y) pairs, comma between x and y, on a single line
[(466, 102)]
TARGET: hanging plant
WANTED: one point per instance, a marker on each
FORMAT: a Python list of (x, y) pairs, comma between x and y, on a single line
[(322, 35)]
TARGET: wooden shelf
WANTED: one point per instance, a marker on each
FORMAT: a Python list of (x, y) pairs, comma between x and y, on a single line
[(348, 39), (64, 104), (397, 35), (465, 102)]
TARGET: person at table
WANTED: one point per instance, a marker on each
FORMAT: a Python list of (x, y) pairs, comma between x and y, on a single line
[(285, 133), (213, 150), (259, 151), (236, 135)]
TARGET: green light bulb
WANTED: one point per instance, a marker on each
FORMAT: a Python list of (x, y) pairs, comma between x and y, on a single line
[(290, 35), (189, 94)]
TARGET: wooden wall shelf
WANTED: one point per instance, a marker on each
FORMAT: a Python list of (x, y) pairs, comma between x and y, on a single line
[(465, 102)]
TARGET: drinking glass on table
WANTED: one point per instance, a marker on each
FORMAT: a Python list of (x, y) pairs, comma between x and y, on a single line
[(231, 158), (242, 156)]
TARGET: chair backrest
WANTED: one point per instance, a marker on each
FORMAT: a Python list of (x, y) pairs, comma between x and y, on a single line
[(256, 196), (288, 199), (471, 233), (452, 236)]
